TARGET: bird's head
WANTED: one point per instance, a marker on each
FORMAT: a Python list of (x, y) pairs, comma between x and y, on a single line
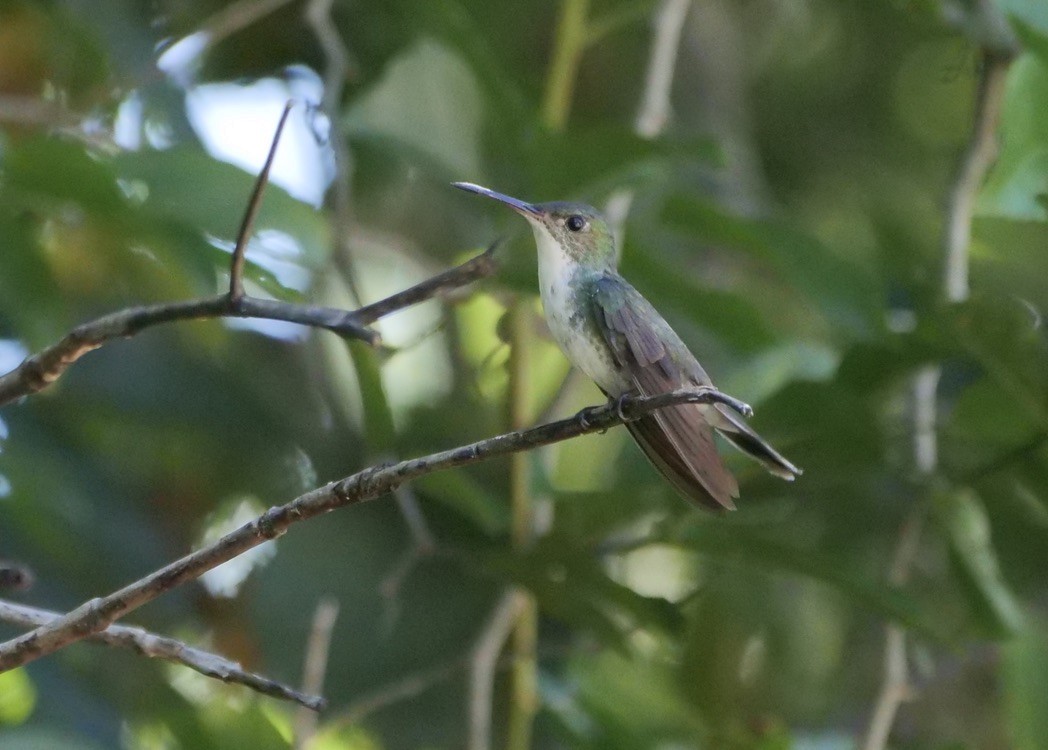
[(579, 232)]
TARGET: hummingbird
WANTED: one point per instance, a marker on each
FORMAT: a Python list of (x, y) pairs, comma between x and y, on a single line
[(607, 329)]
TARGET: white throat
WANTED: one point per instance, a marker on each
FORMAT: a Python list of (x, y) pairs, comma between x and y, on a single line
[(583, 348), (555, 266)]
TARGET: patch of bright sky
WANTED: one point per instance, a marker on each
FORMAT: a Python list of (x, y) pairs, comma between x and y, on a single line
[(421, 371), (11, 354), (5, 483), (277, 252), (226, 579), (235, 122)]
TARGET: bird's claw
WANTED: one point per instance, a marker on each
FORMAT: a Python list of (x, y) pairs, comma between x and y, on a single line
[(581, 417), (731, 402), (620, 402)]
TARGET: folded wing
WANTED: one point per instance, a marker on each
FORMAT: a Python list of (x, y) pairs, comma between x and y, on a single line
[(678, 440)]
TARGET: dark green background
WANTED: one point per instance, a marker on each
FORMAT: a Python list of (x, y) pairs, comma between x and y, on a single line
[(787, 220)]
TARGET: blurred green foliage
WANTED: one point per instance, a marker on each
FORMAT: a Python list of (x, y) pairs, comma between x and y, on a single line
[(788, 223)]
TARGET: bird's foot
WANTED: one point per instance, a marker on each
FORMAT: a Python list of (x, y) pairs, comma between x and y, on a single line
[(621, 402), (581, 418), (719, 397)]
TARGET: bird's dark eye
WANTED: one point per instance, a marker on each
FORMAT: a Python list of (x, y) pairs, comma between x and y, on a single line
[(575, 223)]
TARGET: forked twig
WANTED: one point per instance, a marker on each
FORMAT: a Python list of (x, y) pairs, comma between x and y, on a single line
[(42, 369), (160, 647)]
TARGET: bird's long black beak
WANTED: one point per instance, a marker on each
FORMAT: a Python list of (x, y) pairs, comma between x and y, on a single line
[(527, 209)]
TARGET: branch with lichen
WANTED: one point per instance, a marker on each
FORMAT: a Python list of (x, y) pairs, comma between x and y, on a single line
[(97, 614), (168, 649)]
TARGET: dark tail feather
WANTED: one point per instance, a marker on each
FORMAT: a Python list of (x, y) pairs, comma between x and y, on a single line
[(679, 443), (739, 434)]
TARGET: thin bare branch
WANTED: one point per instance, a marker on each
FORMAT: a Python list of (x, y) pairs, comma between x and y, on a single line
[(236, 266), (654, 110), (45, 367), (978, 157), (160, 647), (895, 687), (416, 683), (421, 534), (376, 481), (484, 665), (480, 267), (662, 64), (407, 687), (925, 414), (338, 68), (975, 163), (315, 667), (34, 110), (423, 545)]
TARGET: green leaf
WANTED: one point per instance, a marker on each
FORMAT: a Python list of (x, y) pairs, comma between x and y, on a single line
[(736, 543), (1001, 336), (55, 171), (1018, 176), (842, 291), (186, 186), (28, 296), (1024, 662), (589, 161), (429, 100), (1029, 19), (17, 697), (1008, 257), (459, 491), (963, 519), (636, 700), (569, 583), (725, 314), (987, 418)]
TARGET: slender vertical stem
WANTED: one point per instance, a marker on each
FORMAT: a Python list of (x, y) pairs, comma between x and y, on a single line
[(974, 164), (524, 674), (655, 108), (236, 268), (518, 416), (338, 69), (568, 45), (570, 41), (315, 668), (483, 665)]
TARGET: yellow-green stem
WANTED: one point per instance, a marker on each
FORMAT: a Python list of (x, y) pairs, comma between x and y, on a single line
[(524, 703), (520, 345), (571, 38), (570, 41)]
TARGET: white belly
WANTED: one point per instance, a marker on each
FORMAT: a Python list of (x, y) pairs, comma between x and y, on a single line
[(582, 345)]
